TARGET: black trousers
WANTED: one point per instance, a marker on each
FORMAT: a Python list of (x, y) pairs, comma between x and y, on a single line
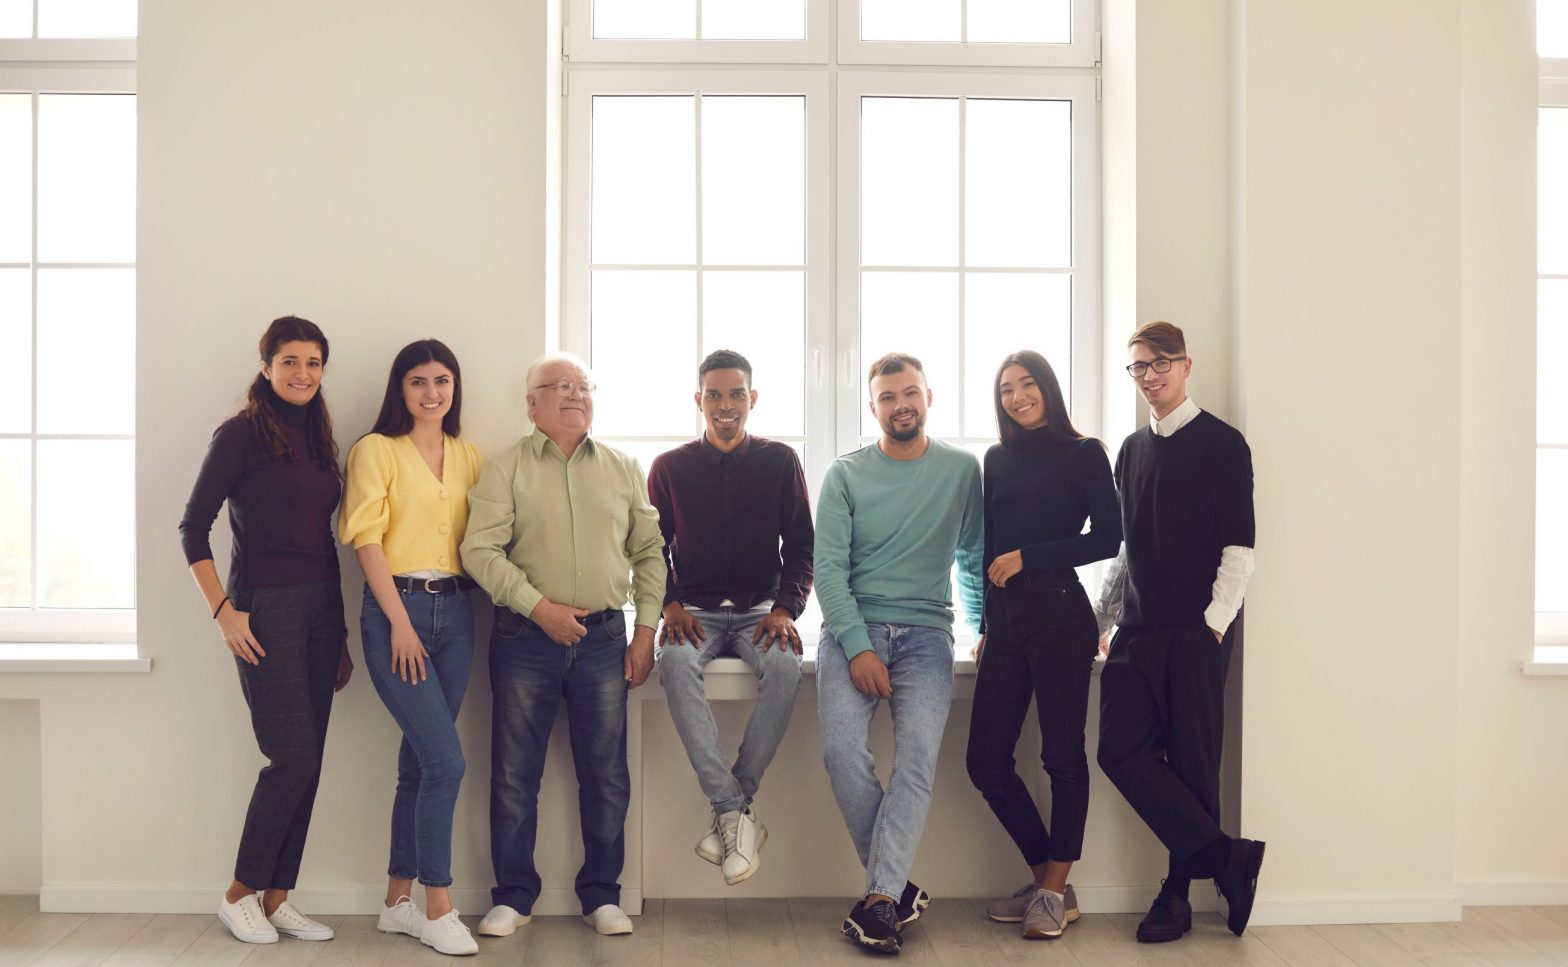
[(1040, 644), (1162, 725), (300, 626)]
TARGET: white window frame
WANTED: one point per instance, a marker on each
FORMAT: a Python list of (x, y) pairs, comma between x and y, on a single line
[(1082, 51), (1551, 627), (62, 66), (1080, 91), (580, 44)]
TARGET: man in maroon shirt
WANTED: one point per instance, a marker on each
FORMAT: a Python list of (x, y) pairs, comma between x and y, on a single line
[(737, 534)]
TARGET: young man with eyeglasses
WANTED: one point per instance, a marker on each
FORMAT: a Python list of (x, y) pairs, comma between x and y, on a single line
[(736, 520), (560, 533), (1173, 593), (893, 518)]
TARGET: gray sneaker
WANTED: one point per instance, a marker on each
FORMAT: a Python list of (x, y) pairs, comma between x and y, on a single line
[(1046, 915), (1012, 909)]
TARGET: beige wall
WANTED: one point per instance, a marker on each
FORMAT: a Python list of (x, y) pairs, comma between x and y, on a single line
[(21, 855), (1359, 196)]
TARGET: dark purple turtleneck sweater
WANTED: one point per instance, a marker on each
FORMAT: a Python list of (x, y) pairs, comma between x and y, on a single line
[(280, 513)]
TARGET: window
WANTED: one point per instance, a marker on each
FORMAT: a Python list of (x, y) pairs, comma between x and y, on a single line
[(767, 198), (67, 313)]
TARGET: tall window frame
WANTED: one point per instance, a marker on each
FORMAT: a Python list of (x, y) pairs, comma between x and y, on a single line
[(40, 67), (1551, 627)]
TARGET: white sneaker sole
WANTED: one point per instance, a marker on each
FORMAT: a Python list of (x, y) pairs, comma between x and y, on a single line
[(243, 937), (1071, 916), (756, 859), (323, 934), (496, 931), (386, 929), (616, 931), (462, 952), (717, 859)]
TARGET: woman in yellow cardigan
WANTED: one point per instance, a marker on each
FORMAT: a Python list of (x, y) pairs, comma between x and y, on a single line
[(405, 508)]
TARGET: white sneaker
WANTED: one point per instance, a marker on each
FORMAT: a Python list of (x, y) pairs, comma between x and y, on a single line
[(448, 935), (246, 920), (609, 920), (743, 839), (291, 923), (711, 846), (502, 921), (401, 917)]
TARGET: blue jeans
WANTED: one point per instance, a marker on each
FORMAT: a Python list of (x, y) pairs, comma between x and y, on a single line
[(886, 826), (529, 676), (728, 631), (430, 760)]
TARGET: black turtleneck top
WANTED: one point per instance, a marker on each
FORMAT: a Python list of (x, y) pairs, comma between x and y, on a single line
[(1039, 492), (280, 511)]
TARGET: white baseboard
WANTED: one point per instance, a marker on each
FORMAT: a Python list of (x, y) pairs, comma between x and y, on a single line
[(1513, 893), (556, 901), (1136, 899), (1272, 911)]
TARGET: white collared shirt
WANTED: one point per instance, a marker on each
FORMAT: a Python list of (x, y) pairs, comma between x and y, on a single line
[(1230, 581)]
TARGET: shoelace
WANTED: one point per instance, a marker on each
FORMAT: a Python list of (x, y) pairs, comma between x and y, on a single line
[(1043, 902), (731, 834)]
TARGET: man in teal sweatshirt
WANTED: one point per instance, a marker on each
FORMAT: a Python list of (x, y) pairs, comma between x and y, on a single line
[(890, 522)]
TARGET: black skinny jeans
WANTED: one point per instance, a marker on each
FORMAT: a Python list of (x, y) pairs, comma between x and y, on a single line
[(1041, 639), (300, 626)]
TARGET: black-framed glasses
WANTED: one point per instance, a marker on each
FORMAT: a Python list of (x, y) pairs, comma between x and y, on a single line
[(1162, 365), (564, 387)]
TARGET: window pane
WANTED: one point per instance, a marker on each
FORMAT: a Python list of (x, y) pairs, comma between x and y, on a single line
[(762, 316), (1018, 183), (86, 178), (1551, 530), (1551, 414), (1020, 21), (644, 180), (16, 177), (16, 523), (643, 450), (86, 524), (1003, 313), (915, 313), (911, 20), (645, 19), (1551, 28), (644, 352), (86, 350), (16, 18), (754, 180), (1552, 191), (16, 335), (87, 18), (753, 20), (909, 181)]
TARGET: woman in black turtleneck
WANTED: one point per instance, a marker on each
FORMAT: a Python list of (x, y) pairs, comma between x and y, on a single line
[(281, 614), (1041, 483)]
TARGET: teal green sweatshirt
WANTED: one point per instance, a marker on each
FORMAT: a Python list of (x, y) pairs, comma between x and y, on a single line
[(887, 535)]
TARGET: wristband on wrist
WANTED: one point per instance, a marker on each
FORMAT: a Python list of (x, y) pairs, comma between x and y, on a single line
[(220, 607)]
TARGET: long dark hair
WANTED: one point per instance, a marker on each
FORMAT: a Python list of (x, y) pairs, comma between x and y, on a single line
[(1058, 425), (263, 419), (394, 418)]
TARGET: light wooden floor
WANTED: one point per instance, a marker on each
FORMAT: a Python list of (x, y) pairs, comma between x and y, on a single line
[(698, 933)]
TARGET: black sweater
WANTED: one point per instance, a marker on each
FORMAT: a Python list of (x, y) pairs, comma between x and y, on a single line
[(1037, 496), (1185, 498)]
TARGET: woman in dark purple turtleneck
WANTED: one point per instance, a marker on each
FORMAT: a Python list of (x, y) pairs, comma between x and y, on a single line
[(281, 612)]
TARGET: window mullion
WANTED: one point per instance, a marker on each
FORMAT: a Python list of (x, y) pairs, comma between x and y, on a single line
[(35, 581)]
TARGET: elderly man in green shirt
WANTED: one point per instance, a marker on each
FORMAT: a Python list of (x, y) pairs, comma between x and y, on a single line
[(560, 532)]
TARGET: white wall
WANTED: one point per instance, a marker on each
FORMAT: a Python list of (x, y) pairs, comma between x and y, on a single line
[(1339, 183), (21, 858)]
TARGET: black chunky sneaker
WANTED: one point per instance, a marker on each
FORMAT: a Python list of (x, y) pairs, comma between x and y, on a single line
[(1168, 918), (874, 927), (911, 905)]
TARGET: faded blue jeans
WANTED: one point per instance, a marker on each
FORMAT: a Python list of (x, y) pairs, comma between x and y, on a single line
[(728, 631), (530, 675), (886, 825), (430, 759)]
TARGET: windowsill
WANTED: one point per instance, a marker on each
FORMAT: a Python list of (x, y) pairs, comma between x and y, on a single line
[(1544, 669), (26, 657)]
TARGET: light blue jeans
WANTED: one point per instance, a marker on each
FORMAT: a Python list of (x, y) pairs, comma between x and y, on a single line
[(728, 631), (886, 826)]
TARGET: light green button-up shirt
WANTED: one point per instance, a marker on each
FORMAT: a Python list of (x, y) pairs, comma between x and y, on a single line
[(579, 532)]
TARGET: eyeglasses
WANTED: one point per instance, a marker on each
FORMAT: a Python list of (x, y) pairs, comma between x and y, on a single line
[(1161, 365), (564, 387)]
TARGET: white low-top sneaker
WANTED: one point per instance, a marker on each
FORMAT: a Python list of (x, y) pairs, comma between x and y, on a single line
[(743, 839), (291, 923), (246, 920), (401, 917), (609, 920), (502, 921), (448, 935), (711, 846)]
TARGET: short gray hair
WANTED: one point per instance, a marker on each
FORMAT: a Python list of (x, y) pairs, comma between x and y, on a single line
[(549, 359)]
